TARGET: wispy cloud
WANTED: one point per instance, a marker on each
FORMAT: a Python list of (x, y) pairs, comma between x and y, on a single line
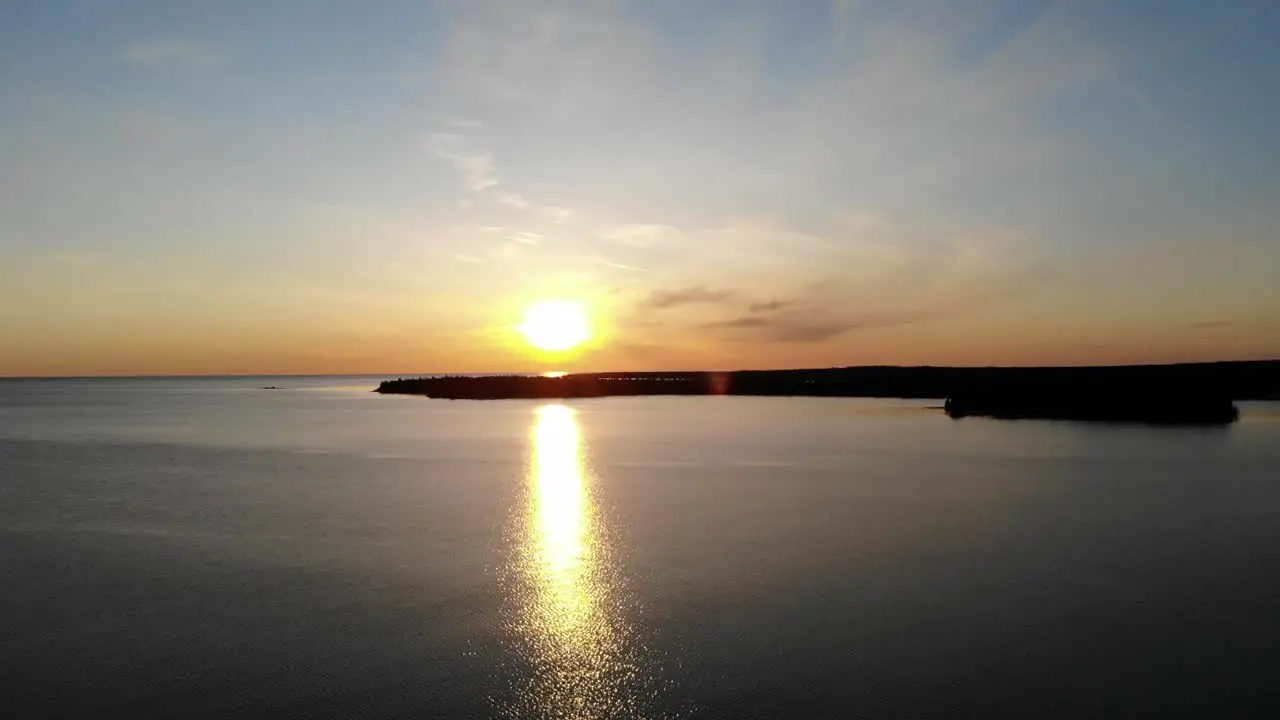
[(821, 312), (515, 200), (767, 307), (172, 53), (850, 279), (554, 213), (695, 295), (927, 116), (475, 168), (617, 265), (638, 235), (462, 123), (558, 215), (525, 238), (477, 171), (797, 327), (781, 172)]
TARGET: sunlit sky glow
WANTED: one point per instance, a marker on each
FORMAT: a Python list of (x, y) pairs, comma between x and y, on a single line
[(299, 187)]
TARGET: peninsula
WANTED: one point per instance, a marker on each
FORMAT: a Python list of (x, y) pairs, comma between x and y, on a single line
[(1183, 393)]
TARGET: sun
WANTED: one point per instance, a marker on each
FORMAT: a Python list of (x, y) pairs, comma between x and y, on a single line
[(555, 325)]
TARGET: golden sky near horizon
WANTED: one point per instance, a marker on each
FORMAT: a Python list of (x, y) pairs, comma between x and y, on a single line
[(722, 187)]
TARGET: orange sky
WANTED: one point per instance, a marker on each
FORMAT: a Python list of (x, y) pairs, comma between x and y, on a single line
[(957, 186)]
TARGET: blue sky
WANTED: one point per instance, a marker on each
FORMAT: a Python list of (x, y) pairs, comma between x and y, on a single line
[(344, 186)]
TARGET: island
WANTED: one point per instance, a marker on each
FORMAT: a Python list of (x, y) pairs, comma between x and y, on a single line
[(1195, 393), (1095, 403)]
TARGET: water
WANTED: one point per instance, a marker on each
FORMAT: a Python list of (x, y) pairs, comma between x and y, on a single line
[(205, 548)]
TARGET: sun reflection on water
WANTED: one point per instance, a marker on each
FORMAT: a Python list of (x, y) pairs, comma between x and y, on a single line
[(582, 661), (564, 553)]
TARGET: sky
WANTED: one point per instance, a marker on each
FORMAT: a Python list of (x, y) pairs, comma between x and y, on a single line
[(328, 186)]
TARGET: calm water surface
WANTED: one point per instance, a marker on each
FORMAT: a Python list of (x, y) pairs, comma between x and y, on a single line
[(204, 548)]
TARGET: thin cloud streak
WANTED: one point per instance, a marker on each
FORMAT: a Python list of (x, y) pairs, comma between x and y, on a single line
[(806, 328), (767, 307), (697, 295), (639, 235), (525, 238), (617, 265)]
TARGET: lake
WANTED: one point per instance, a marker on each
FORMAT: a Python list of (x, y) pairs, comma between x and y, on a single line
[(204, 548)]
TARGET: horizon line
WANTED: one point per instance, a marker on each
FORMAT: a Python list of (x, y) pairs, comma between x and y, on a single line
[(190, 376)]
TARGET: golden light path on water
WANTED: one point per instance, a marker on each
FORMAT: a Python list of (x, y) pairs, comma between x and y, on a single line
[(564, 554), (575, 634)]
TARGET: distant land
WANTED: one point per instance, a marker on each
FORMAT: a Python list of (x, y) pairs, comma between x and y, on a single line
[(1193, 392)]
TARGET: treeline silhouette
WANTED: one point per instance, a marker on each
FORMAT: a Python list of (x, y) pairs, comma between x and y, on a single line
[(1196, 392)]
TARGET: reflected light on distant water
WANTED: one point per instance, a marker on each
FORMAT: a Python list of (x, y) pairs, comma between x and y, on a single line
[(574, 635)]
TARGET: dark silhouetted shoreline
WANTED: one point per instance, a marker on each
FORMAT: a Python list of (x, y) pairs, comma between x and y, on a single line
[(1184, 393), (1095, 403)]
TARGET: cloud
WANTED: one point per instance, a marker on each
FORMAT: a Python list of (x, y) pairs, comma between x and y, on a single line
[(481, 229), (566, 85), (172, 53), (554, 213), (525, 238), (762, 282), (558, 215), (766, 307), (477, 171), (617, 265), (638, 235), (512, 244), (847, 287), (698, 294), (515, 200), (805, 327), (1212, 324)]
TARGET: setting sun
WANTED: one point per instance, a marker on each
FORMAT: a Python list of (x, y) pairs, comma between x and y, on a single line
[(555, 325)]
